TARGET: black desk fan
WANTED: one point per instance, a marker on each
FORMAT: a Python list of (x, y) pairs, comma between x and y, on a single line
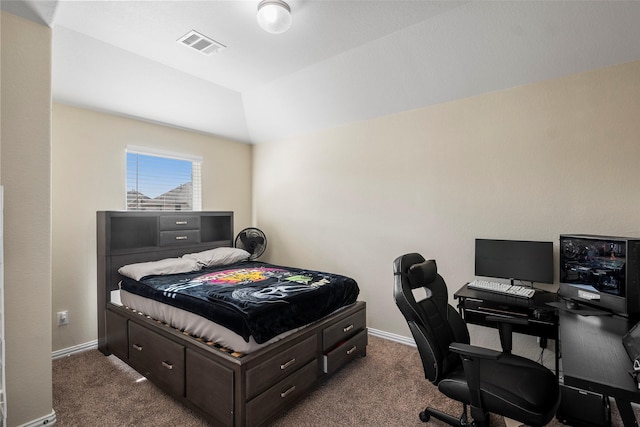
[(252, 240)]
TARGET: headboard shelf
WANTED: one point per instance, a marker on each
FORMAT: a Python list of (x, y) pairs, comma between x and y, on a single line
[(133, 232), (215, 227)]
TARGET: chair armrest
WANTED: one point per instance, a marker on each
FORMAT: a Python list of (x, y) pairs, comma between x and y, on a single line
[(473, 351), (471, 359)]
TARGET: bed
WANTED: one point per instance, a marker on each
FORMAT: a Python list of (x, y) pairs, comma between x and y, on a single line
[(237, 340)]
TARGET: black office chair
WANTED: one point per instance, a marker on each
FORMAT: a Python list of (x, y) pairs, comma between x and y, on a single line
[(489, 381)]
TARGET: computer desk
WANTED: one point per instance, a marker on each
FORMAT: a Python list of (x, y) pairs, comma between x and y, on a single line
[(594, 359), (475, 305)]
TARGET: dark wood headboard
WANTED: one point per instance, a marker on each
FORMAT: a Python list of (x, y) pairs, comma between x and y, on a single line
[(127, 237)]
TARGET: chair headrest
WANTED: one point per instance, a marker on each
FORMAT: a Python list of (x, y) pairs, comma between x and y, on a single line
[(423, 273)]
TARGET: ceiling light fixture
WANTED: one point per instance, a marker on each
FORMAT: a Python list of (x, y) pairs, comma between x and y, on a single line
[(274, 16)]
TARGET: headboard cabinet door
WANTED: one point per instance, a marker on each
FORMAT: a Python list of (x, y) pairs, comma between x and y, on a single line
[(179, 222), (179, 237), (210, 386)]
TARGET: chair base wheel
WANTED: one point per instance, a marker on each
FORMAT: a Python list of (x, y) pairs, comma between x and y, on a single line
[(463, 421)]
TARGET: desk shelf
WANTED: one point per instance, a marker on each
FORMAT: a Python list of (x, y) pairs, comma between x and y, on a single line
[(474, 306), (542, 320)]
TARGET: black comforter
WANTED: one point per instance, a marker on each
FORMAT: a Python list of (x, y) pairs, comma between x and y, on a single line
[(251, 298)]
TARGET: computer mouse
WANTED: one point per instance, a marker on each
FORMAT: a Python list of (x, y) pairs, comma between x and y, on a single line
[(571, 305)]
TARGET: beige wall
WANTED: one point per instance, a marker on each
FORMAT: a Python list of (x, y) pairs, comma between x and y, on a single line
[(25, 174), (89, 174), (527, 163)]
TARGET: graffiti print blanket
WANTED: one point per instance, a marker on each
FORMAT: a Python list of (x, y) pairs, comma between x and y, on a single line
[(251, 298)]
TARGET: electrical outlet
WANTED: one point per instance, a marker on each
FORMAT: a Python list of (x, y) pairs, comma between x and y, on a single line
[(63, 318)]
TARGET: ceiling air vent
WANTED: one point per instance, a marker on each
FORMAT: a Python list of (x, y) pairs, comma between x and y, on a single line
[(202, 44)]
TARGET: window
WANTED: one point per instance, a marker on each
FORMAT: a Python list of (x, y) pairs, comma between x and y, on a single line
[(162, 181)]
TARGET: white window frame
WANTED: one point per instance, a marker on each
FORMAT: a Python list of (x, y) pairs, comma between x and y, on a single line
[(196, 170)]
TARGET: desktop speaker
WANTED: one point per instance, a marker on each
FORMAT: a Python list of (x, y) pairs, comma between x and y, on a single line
[(581, 408)]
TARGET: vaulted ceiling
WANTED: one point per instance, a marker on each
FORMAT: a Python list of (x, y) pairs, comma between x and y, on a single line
[(341, 61)]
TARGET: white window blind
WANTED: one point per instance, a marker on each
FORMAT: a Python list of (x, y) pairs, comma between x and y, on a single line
[(162, 181)]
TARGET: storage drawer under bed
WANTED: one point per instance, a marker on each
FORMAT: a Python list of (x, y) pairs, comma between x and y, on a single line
[(279, 366), (281, 395), (343, 330), (157, 358), (345, 352)]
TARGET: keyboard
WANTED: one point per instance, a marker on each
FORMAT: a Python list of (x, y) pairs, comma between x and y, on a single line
[(502, 288)]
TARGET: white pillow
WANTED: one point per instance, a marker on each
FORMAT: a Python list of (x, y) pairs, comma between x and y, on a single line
[(219, 256), (164, 266)]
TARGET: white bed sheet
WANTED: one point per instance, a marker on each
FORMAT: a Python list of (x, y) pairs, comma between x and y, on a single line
[(192, 323)]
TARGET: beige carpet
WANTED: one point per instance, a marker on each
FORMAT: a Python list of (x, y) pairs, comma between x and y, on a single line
[(385, 388)]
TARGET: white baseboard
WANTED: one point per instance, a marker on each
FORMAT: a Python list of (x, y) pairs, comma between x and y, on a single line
[(392, 337), (58, 354), (47, 420), (91, 345)]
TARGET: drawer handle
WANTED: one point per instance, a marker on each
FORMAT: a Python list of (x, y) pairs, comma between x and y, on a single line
[(352, 349), (167, 365), (137, 347), (347, 328), (182, 237), (182, 222), (289, 363), (287, 391)]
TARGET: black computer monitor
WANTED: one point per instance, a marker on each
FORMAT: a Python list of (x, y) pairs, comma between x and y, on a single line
[(522, 260)]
